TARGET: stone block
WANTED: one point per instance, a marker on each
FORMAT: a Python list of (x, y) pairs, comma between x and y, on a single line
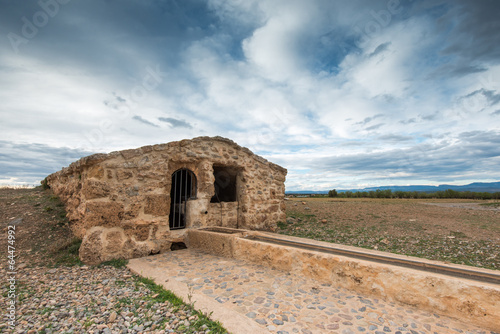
[(157, 205), (114, 241), (138, 232), (91, 249), (95, 189), (96, 172), (132, 210), (103, 213), (129, 154), (124, 174)]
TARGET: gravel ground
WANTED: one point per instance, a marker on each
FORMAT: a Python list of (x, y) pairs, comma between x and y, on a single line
[(82, 299), (92, 300), (55, 294)]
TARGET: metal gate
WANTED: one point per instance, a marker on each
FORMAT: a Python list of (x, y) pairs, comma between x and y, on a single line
[(183, 188)]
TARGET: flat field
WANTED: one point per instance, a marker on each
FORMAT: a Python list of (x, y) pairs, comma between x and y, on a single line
[(457, 231)]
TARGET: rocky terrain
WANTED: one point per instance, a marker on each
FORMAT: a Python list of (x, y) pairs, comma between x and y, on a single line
[(56, 293)]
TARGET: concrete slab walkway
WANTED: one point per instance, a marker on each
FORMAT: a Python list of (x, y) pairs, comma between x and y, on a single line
[(248, 298)]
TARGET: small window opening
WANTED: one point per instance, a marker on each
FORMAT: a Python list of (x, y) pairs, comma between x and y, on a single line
[(177, 246), (225, 184)]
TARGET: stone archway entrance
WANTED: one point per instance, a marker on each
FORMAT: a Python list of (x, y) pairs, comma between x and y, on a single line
[(183, 188)]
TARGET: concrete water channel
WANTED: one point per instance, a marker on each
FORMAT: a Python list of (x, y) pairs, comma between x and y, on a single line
[(256, 282)]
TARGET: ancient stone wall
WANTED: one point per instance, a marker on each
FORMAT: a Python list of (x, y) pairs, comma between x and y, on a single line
[(119, 203)]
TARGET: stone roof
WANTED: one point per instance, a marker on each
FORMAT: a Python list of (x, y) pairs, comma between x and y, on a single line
[(130, 153)]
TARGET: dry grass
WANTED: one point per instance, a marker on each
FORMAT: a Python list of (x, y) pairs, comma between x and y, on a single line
[(43, 236), (457, 231)]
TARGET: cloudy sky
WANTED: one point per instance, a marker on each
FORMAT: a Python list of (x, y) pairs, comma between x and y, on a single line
[(344, 94)]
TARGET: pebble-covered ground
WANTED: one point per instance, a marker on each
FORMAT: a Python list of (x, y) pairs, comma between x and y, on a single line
[(286, 303), (57, 294), (82, 299), (93, 300)]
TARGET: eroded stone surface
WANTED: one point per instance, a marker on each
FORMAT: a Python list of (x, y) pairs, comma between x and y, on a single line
[(119, 203)]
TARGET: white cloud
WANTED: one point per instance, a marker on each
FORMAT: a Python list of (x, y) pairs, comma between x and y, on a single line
[(272, 48), (296, 81)]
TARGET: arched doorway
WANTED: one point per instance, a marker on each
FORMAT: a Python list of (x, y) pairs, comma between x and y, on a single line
[(183, 188)]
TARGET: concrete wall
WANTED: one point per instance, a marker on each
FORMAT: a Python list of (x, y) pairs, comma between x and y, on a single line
[(119, 203)]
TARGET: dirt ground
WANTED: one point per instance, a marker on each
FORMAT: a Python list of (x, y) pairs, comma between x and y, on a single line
[(50, 301), (41, 227), (464, 232), (458, 231)]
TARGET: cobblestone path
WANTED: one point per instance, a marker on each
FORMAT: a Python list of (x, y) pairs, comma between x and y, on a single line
[(286, 303)]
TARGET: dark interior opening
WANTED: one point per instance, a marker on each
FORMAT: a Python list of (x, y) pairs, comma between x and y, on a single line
[(177, 245), (183, 188), (225, 184)]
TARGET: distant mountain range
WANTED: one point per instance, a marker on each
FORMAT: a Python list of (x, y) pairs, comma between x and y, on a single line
[(490, 187)]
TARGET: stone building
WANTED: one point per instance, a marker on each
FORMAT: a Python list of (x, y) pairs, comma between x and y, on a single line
[(137, 202)]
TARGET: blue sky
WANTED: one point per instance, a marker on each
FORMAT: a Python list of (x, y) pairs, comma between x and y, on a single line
[(344, 94)]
